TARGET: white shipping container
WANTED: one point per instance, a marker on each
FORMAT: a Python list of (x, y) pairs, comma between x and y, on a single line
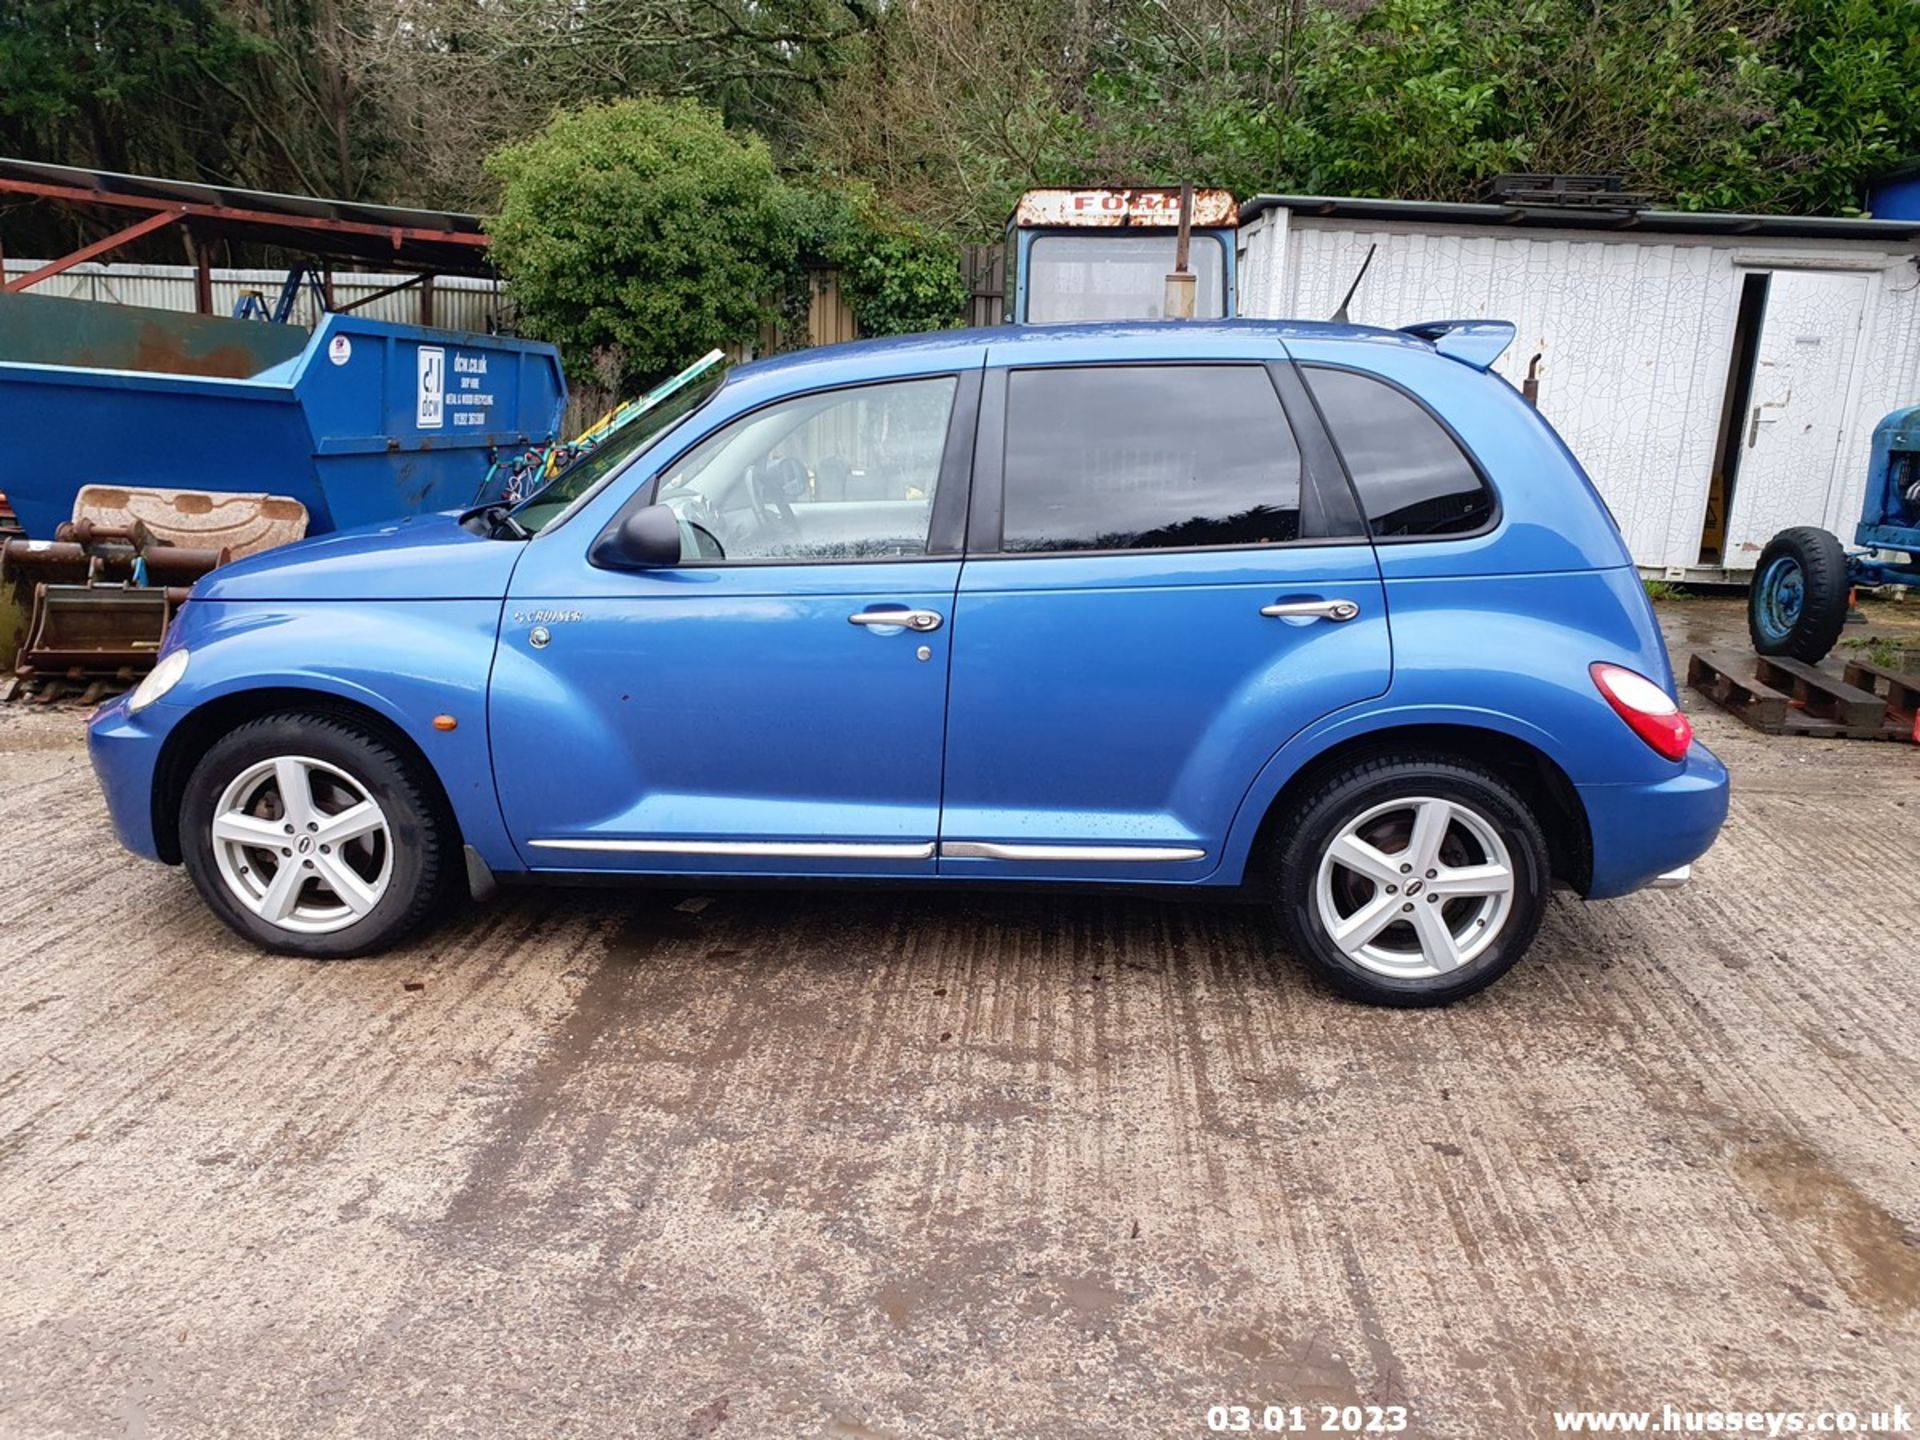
[(1640, 337)]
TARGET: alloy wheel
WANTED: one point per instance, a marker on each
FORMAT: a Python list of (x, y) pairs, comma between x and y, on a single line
[(1415, 888), (302, 844)]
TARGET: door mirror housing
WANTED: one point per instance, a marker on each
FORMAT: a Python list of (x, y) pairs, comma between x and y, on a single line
[(643, 539)]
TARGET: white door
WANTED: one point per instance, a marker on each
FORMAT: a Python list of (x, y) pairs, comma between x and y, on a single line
[(1790, 436)]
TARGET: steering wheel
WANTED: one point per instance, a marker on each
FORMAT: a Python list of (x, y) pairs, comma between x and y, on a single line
[(767, 489)]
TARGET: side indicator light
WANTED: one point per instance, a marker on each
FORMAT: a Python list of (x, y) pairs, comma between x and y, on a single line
[(444, 722), (1649, 711)]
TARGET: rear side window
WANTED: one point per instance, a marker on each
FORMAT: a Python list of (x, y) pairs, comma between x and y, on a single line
[(1413, 479), (1145, 457)]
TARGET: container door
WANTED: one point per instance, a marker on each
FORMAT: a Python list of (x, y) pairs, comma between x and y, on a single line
[(1158, 593), (775, 704), (1797, 412)]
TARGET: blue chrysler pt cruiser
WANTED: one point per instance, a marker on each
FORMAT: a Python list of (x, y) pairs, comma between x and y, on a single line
[(1321, 612)]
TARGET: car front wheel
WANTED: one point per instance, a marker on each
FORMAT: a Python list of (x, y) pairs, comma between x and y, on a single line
[(1412, 882), (309, 836)]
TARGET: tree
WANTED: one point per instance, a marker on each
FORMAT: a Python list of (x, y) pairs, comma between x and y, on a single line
[(640, 234), (952, 107), (272, 94), (939, 112), (114, 83), (469, 77)]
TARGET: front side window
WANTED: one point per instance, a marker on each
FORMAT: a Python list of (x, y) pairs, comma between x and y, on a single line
[(842, 475), (1144, 457), (1100, 275), (1414, 480)]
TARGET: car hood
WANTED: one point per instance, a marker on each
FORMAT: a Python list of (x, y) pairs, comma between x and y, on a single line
[(423, 557)]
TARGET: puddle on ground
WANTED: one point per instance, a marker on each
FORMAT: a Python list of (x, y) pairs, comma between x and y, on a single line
[(1871, 1252)]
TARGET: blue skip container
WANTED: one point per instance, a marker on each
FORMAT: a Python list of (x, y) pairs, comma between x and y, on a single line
[(359, 420)]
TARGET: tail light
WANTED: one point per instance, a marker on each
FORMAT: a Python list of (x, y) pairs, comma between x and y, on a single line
[(1648, 710)]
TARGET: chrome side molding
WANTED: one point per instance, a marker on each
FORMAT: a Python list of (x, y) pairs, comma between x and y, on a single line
[(1091, 854), (764, 849), (852, 850)]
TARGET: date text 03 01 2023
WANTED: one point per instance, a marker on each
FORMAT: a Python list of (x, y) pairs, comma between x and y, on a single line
[(1349, 1422)]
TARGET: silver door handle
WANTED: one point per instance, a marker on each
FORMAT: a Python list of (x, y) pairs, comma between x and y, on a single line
[(1311, 610), (920, 620)]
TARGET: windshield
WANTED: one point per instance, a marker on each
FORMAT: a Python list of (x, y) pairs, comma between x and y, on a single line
[(653, 415)]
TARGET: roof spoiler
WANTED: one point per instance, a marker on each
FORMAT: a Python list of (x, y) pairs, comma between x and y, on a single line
[(1472, 342)]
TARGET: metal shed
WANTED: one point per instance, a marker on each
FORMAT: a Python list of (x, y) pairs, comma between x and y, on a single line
[(1719, 375)]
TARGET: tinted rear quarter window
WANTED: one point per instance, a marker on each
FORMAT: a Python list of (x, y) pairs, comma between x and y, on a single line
[(1142, 457), (1414, 479)]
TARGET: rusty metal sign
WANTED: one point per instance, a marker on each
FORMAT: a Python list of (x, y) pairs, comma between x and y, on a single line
[(1157, 207)]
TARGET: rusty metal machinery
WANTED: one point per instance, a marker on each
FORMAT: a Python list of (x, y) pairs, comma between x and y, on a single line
[(90, 607)]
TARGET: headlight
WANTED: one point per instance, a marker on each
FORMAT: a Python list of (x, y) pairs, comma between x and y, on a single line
[(162, 678)]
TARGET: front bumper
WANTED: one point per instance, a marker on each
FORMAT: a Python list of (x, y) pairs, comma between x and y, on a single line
[(1649, 835), (125, 750)]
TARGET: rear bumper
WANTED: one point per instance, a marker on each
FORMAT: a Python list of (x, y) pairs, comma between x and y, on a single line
[(1649, 835)]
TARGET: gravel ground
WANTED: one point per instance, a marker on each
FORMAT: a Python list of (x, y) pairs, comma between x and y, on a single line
[(833, 1165)]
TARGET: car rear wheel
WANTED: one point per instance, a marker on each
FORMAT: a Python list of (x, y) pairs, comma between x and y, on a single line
[(1798, 602), (1412, 882), (309, 836)]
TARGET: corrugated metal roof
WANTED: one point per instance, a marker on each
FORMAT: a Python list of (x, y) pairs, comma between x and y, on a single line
[(431, 239), (1668, 222)]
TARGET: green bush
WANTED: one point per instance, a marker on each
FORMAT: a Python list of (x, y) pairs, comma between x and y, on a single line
[(897, 277), (640, 234)]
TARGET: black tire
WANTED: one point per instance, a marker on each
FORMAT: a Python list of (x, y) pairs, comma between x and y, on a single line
[(418, 843), (1365, 785), (1816, 557)]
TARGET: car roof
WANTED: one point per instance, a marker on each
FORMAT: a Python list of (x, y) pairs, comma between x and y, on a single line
[(939, 349)]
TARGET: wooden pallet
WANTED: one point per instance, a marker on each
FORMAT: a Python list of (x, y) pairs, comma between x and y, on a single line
[(1790, 697), (1899, 689)]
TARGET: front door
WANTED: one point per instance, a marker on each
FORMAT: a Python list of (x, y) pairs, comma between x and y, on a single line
[(773, 704), (1158, 594), (1797, 412)]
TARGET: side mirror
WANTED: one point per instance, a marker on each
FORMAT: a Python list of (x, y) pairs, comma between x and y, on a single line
[(646, 539)]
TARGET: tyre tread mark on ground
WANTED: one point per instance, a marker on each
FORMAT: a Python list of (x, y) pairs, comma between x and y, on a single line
[(540, 1094)]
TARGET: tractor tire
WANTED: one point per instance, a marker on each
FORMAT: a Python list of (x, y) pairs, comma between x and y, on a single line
[(1798, 601)]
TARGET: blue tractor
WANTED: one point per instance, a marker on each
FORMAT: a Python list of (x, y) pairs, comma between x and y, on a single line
[(1801, 585)]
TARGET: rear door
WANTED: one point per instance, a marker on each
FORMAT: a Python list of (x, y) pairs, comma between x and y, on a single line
[(1160, 589)]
